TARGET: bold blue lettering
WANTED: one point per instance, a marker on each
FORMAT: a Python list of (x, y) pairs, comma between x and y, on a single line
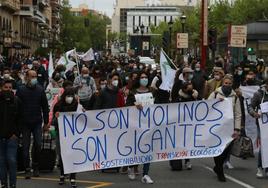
[(158, 116), (214, 134), (139, 142), (124, 118), (113, 118), (190, 112), (171, 139), (80, 150), (127, 147), (101, 148), (71, 125), (101, 121), (90, 148), (197, 135), (220, 112), (264, 118), (185, 132), (157, 135), (85, 123), (206, 109), (147, 113)]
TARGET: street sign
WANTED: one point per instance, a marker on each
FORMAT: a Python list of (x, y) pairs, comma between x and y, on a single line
[(182, 40), (238, 36)]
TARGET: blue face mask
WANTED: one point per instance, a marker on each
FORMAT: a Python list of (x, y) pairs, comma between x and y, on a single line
[(62, 74), (144, 82), (34, 81)]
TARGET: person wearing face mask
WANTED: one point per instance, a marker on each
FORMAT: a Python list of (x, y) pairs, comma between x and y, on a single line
[(259, 97), (186, 76), (102, 84), (215, 82), (226, 91), (141, 87), (42, 75), (10, 118), (111, 96), (86, 88), (251, 79), (238, 77), (186, 94), (34, 114), (67, 103), (199, 81)]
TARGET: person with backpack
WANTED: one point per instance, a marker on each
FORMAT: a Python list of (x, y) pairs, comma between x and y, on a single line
[(86, 88), (261, 96), (10, 112), (226, 91)]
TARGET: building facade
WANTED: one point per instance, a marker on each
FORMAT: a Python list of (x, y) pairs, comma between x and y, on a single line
[(123, 6), (83, 10), (26, 25)]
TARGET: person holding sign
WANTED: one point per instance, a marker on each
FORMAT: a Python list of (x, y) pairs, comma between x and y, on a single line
[(67, 103), (140, 96), (226, 91), (255, 110)]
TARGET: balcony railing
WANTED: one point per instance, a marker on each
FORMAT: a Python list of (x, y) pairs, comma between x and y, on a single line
[(26, 10)]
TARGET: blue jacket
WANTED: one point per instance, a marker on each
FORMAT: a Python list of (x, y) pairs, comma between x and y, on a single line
[(34, 105)]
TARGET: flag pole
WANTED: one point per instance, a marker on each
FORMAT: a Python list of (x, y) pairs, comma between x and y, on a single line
[(169, 59), (77, 62)]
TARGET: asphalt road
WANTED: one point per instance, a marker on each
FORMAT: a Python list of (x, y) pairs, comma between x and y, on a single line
[(201, 176)]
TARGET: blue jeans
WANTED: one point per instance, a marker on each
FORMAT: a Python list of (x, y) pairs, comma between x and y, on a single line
[(8, 160), (26, 142)]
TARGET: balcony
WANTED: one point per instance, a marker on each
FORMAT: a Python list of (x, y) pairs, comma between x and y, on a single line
[(43, 3), (11, 5), (55, 3), (39, 17), (56, 16), (26, 11)]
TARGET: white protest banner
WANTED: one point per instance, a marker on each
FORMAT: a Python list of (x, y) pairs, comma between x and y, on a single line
[(263, 121), (250, 122), (126, 136), (264, 107), (144, 99)]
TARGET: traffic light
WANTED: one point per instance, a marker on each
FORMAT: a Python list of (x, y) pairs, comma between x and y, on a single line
[(212, 39), (251, 51)]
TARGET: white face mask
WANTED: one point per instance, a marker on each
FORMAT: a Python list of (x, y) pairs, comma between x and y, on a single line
[(69, 100), (115, 83), (102, 86), (6, 76), (217, 77)]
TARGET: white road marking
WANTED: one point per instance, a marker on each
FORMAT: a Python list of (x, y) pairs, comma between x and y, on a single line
[(243, 184)]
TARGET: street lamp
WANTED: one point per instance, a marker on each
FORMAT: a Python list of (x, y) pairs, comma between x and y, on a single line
[(170, 24), (183, 20)]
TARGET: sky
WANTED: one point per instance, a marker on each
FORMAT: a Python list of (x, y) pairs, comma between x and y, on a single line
[(100, 5)]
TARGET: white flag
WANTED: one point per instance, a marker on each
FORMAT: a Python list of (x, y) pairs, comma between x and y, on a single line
[(88, 56), (167, 72), (64, 60), (50, 65)]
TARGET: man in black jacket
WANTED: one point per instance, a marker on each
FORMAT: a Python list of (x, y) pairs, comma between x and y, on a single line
[(42, 75), (9, 133), (34, 113)]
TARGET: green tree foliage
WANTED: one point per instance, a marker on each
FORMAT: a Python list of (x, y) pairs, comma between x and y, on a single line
[(74, 34)]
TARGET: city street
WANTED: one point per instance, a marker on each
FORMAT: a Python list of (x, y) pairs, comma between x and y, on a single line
[(201, 176)]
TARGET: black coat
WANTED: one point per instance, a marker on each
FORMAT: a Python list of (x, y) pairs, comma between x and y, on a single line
[(10, 112), (34, 105)]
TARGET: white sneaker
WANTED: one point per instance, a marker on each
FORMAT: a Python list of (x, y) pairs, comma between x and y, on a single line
[(228, 165), (146, 179), (188, 166), (259, 173), (131, 174)]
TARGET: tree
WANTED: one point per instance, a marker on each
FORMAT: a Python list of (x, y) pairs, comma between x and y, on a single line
[(75, 34)]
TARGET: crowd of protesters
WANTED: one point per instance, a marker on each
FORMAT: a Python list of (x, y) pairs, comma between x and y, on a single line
[(110, 82)]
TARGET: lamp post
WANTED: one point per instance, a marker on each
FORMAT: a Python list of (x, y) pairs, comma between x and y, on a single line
[(170, 24), (142, 32), (183, 20)]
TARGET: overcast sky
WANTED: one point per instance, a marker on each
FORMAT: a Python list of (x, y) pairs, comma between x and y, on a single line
[(100, 5)]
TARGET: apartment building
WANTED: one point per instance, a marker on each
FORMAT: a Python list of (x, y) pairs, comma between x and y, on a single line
[(26, 25)]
